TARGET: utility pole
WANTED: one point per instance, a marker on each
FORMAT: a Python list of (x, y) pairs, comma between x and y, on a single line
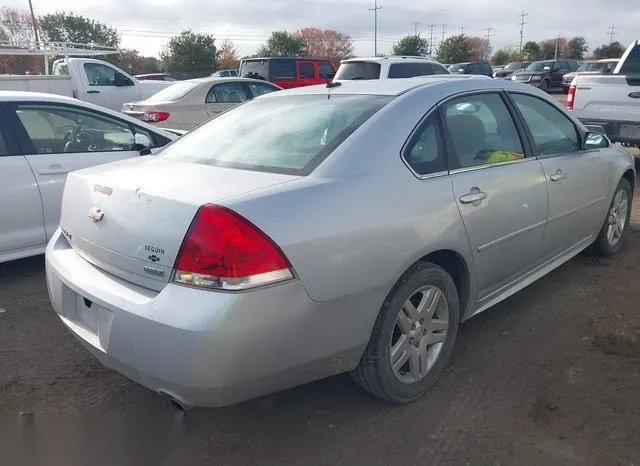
[(462, 29), (35, 24), (488, 41), (375, 26), (522, 22), (555, 54), (415, 26), (442, 40), (612, 33), (431, 26)]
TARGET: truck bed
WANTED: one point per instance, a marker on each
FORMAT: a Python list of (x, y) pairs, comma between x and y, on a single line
[(60, 85)]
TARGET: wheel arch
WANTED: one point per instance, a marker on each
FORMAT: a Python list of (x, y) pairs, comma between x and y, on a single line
[(630, 176)]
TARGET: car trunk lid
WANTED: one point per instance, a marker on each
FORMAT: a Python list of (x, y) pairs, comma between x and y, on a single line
[(130, 218)]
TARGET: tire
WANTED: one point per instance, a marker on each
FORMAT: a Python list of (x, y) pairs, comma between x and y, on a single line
[(429, 350), (544, 85), (607, 244)]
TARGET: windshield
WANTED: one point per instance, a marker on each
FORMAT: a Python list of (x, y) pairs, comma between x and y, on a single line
[(289, 134), (513, 66), (540, 66), (592, 67), (458, 68), (174, 92), (358, 70)]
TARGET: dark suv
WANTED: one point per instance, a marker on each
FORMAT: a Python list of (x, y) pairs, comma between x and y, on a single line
[(546, 74), (480, 67)]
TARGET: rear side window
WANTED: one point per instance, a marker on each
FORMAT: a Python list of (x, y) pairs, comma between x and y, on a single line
[(282, 70), (632, 63), (410, 70), (227, 93), (425, 153), (290, 134), (306, 70), (358, 70)]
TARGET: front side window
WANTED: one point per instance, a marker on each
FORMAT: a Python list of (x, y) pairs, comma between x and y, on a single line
[(100, 75), (3, 146), (325, 70), (632, 62), (306, 70), (480, 130), (57, 129), (286, 134), (258, 89), (552, 131), (227, 93), (425, 154)]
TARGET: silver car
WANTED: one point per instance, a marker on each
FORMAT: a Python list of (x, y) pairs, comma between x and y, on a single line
[(327, 229)]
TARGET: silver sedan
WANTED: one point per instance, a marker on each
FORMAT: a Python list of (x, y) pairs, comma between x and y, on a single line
[(336, 228)]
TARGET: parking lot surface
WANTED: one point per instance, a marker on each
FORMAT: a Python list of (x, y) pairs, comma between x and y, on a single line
[(551, 376)]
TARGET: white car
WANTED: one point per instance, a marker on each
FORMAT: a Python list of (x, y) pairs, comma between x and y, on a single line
[(392, 67), (42, 138)]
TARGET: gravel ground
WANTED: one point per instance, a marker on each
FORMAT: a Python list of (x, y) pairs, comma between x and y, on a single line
[(551, 376)]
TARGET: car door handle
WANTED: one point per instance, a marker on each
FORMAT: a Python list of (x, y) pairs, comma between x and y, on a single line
[(55, 169), (559, 175), (475, 196), (93, 92)]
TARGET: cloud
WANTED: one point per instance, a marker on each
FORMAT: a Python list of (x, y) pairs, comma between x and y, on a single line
[(147, 24)]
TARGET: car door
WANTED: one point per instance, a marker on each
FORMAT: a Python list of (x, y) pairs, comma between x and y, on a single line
[(221, 97), (500, 192), (307, 73), (60, 138), (575, 178), (558, 70), (21, 225), (104, 85)]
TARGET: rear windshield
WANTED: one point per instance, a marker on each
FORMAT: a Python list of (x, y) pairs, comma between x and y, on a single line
[(632, 62), (289, 134), (410, 70), (458, 68), (592, 67), (358, 70), (174, 92)]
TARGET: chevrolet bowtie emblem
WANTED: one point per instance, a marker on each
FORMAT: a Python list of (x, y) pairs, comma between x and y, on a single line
[(95, 214)]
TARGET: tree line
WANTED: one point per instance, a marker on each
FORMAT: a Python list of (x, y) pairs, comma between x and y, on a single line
[(193, 54)]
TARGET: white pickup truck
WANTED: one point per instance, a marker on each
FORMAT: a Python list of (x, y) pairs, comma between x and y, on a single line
[(90, 80), (611, 101)]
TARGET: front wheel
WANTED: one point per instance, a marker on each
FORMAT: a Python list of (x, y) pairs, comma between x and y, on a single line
[(611, 236), (413, 336), (544, 86)]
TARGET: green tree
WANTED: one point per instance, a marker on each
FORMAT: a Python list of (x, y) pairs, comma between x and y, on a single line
[(454, 49), (577, 47), (531, 50), (131, 61), (69, 27), (613, 50), (413, 45), (192, 53), (282, 44), (504, 56)]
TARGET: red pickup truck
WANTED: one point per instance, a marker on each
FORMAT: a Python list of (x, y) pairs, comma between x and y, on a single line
[(288, 72)]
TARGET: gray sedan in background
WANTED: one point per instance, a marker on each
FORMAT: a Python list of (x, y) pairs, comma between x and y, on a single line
[(336, 228), (186, 104)]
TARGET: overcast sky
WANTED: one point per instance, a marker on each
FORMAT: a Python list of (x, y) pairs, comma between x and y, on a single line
[(147, 24)]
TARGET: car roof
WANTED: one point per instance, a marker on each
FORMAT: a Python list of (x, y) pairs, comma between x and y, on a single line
[(390, 87), (28, 96), (221, 79), (389, 58)]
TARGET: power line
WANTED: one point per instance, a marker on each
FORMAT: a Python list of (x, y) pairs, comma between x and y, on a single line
[(522, 15), (431, 26), (375, 26), (612, 33), (488, 41)]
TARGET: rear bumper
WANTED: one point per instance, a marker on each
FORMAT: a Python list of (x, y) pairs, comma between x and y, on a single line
[(203, 348)]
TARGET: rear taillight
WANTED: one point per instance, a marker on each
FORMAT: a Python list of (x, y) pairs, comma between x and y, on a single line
[(224, 251), (570, 97), (155, 117)]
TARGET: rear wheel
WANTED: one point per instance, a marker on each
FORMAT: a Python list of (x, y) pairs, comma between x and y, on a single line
[(545, 86), (611, 236), (413, 336)]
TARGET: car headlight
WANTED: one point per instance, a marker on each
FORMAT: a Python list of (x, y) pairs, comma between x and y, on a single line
[(513, 78), (536, 78)]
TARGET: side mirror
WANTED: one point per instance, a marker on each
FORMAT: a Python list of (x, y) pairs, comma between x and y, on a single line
[(142, 144), (121, 80), (593, 140)]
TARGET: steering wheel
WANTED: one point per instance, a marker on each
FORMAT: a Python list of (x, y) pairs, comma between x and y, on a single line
[(70, 137)]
